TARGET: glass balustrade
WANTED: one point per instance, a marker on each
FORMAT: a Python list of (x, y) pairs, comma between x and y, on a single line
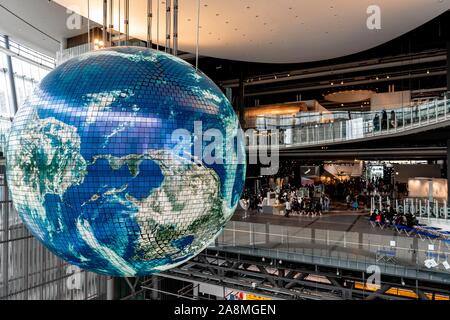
[(394, 253), (334, 127)]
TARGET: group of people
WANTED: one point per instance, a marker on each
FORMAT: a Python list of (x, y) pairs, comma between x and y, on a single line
[(293, 199), (306, 206), (383, 123), (390, 216)]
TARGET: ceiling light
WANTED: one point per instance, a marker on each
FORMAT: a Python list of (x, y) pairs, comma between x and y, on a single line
[(332, 83), (428, 71), (376, 78), (387, 77)]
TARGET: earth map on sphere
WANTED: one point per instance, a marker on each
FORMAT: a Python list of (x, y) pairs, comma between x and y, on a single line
[(94, 171)]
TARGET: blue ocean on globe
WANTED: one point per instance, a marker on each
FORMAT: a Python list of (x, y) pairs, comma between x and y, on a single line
[(96, 175)]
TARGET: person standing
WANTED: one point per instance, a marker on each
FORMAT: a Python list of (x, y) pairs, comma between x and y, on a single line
[(348, 200), (384, 120), (288, 208)]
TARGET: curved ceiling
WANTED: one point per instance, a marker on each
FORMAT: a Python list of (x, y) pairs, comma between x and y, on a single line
[(281, 31)]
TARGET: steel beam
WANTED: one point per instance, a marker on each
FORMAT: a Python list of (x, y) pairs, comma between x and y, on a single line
[(149, 23), (127, 22), (105, 22), (5, 204), (111, 22), (448, 171), (12, 82), (168, 25), (175, 27)]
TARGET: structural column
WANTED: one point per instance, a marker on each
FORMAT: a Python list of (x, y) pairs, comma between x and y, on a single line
[(168, 25), (448, 68), (149, 23), (155, 286), (175, 27), (127, 22), (5, 239), (105, 22), (241, 101), (448, 171), (12, 81), (111, 22), (110, 289)]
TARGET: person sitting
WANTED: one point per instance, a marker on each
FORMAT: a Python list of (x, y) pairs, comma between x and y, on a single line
[(379, 218), (398, 219), (373, 215)]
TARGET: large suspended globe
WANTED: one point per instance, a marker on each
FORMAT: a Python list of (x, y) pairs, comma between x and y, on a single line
[(98, 176)]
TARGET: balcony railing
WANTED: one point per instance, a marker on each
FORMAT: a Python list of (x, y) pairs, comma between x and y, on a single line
[(343, 127), (398, 255)]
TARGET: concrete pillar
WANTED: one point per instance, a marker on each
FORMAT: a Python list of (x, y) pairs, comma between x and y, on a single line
[(111, 22), (110, 289), (12, 81), (155, 285)]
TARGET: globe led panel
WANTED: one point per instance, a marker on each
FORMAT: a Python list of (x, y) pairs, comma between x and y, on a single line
[(96, 175)]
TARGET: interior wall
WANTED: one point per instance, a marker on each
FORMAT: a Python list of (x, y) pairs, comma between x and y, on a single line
[(390, 100), (407, 171)]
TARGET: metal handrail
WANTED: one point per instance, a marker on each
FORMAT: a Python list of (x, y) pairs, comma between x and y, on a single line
[(360, 125)]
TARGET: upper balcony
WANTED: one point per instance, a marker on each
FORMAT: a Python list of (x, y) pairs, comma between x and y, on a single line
[(328, 128)]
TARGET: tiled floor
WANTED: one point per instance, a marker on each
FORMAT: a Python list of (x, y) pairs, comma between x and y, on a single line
[(347, 221)]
